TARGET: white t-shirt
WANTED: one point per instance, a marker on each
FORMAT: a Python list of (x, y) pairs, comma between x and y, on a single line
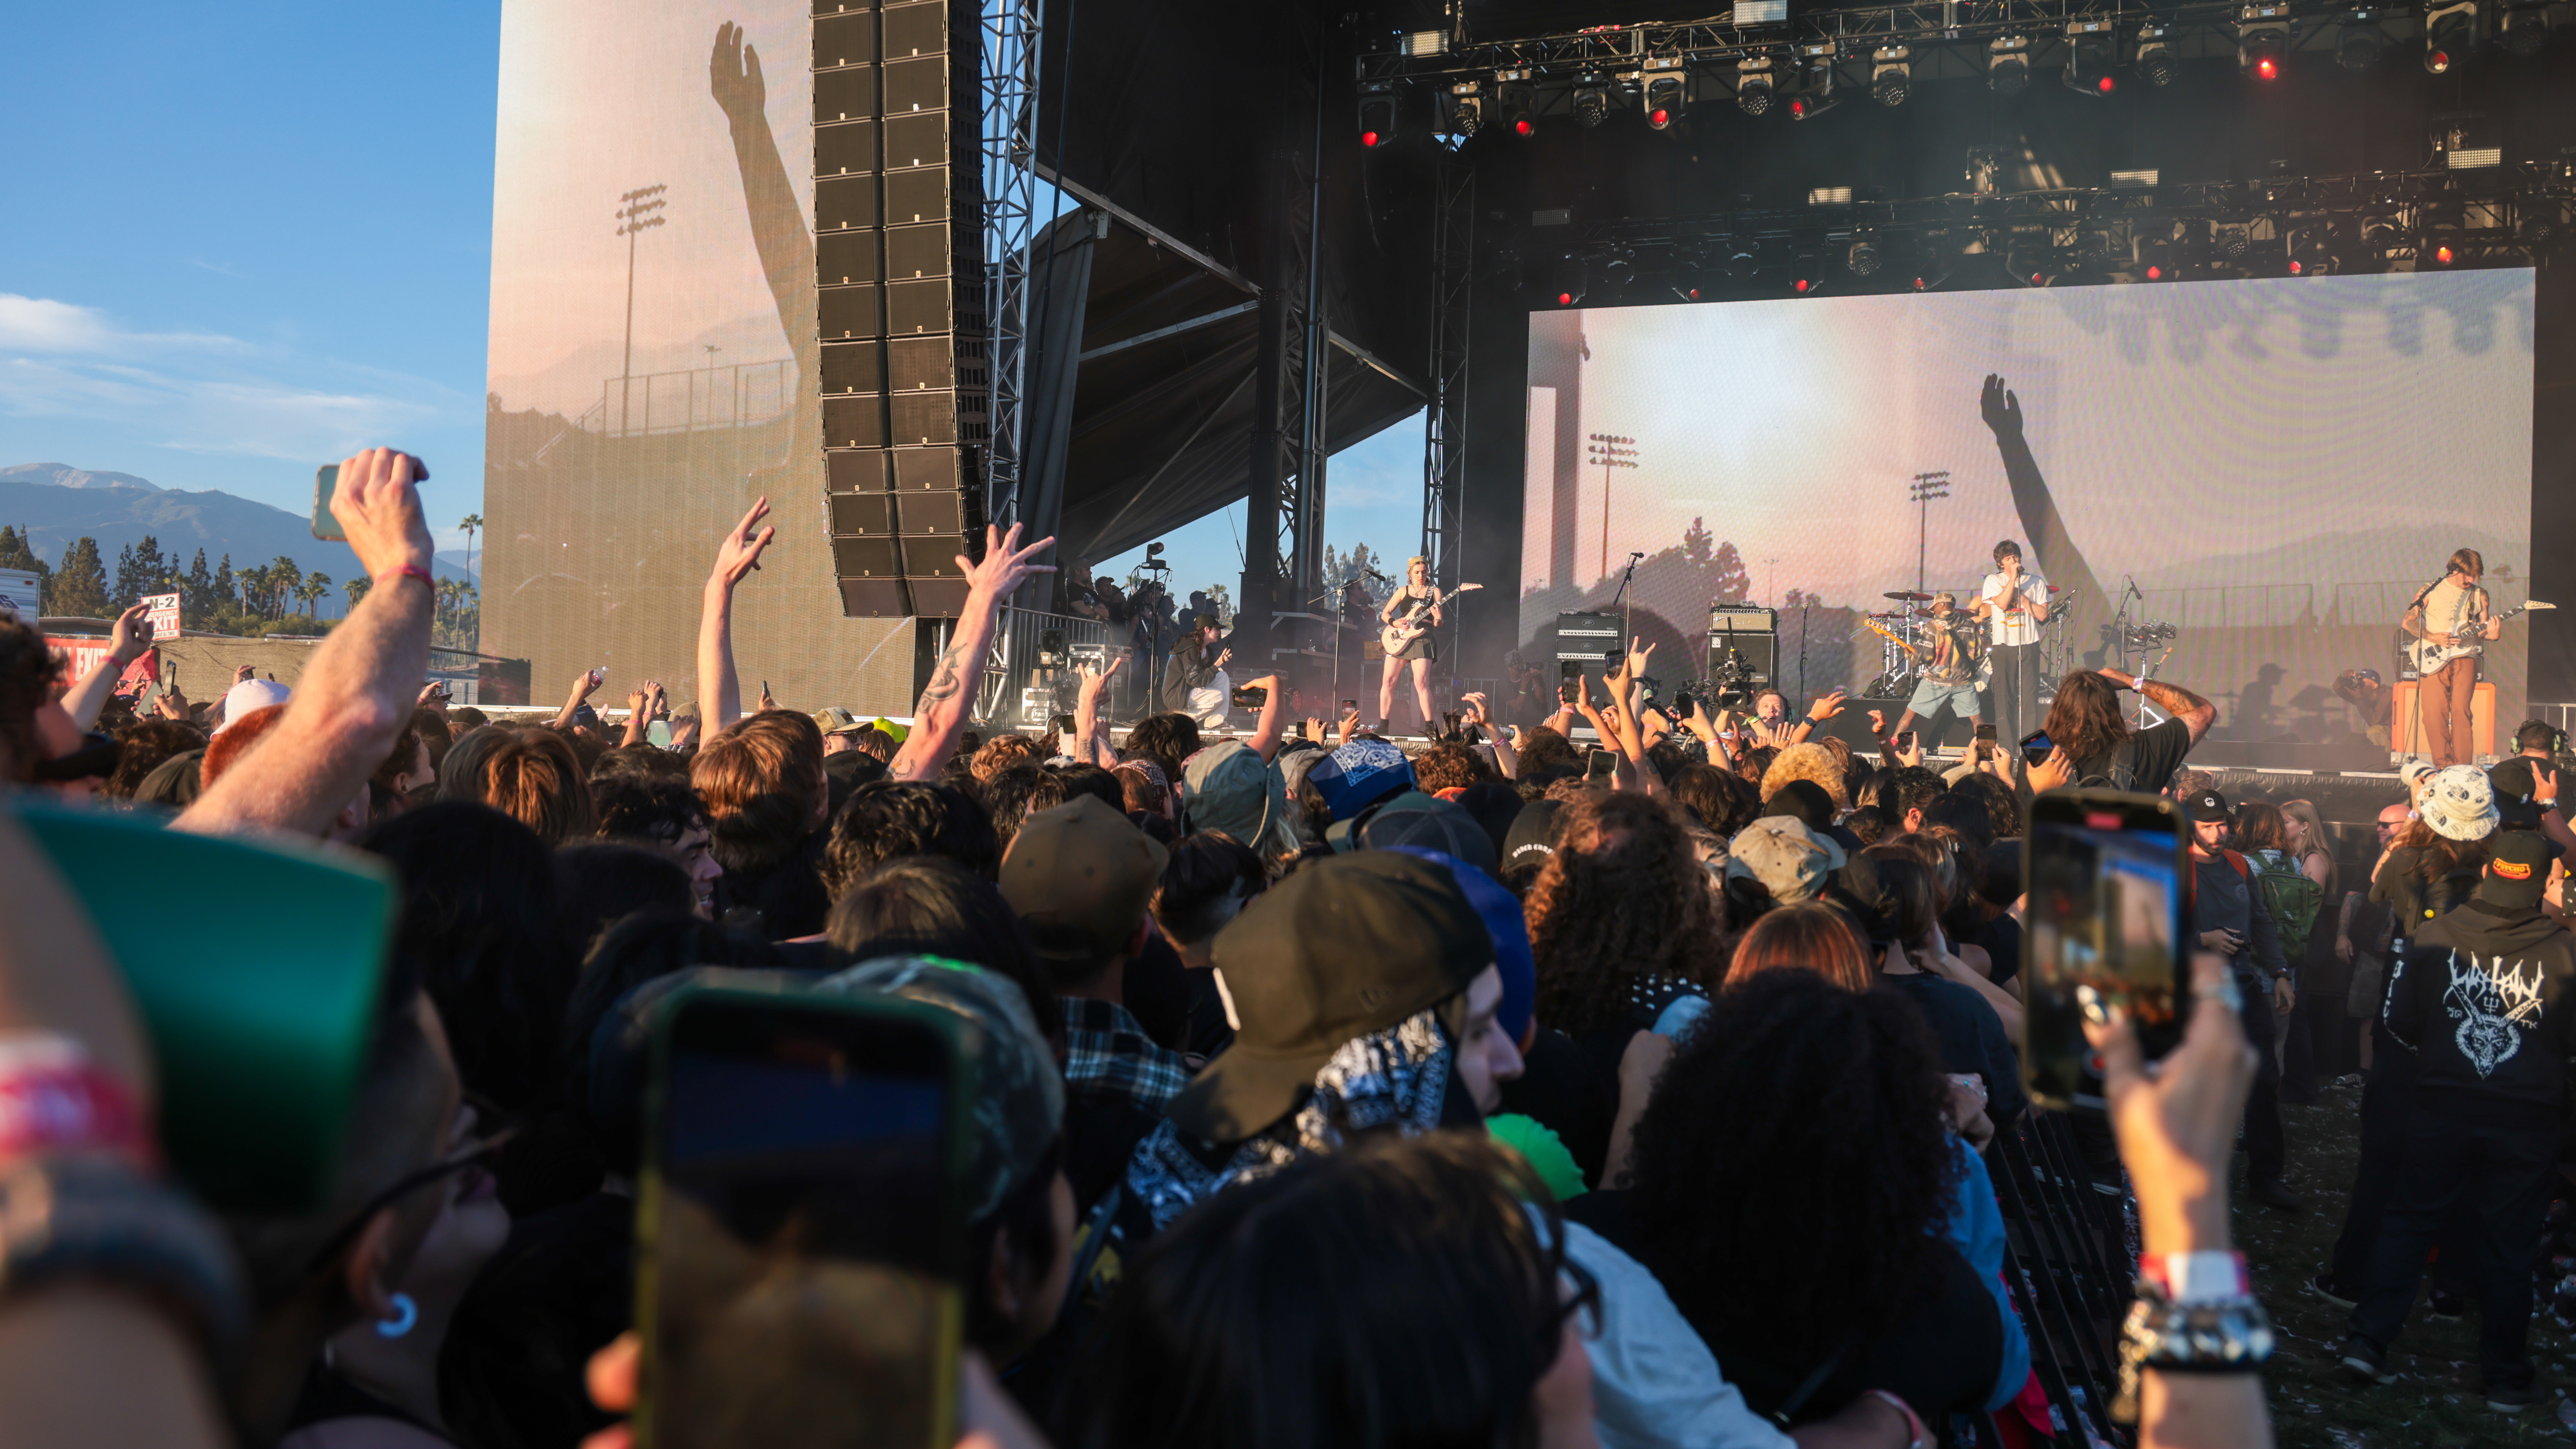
[(2017, 627), (1655, 1385)]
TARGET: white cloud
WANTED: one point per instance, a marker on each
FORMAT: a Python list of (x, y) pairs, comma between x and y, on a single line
[(42, 325)]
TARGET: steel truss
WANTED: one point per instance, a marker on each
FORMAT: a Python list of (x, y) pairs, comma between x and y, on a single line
[(1009, 82), (1444, 420)]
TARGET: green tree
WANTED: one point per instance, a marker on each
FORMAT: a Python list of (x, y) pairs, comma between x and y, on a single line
[(140, 570), (1732, 584), (225, 585), (18, 551), (284, 578), (79, 588), (254, 590), (356, 589), (1696, 543), (197, 591)]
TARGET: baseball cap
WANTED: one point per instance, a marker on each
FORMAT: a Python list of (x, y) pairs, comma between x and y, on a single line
[(834, 720), (1500, 910), (1359, 774), (1495, 804), (248, 696), (1432, 823), (1533, 835), (1231, 788), (1080, 876), (1805, 800), (2206, 805), (1790, 859), (1340, 949), (2459, 803), (2517, 870), (1019, 1106)]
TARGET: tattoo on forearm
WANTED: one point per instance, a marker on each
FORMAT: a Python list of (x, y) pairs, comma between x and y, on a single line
[(2173, 699), (945, 681)]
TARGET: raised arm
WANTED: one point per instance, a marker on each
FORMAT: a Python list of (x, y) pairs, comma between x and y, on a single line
[(719, 690), (126, 644), (2196, 713), (357, 692), (586, 684), (1506, 758), (1273, 727), (943, 707), (1090, 744)]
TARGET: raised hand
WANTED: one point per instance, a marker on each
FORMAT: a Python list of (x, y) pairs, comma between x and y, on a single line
[(1999, 407), (1006, 565), (1878, 724), (767, 700), (1639, 651), (1474, 700), (126, 642), (740, 552), (378, 507), (733, 77), (1828, 706)]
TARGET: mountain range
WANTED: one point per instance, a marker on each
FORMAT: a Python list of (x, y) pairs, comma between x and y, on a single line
[(55, 503)]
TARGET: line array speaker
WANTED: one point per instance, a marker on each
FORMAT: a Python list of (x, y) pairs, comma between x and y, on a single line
[(899, 300)]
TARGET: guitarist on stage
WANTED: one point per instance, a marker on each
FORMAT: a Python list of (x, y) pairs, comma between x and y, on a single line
[(2451, 614), (1415, 604)]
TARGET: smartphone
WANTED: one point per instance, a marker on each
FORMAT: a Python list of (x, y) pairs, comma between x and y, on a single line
[(1682, 705), (2036, 747), (326, 481), (801, 1225), (1601, 767), (1986, 734), (2105, 872), (1064, 724), (658, 734), (1904, 742), (1350, 706)]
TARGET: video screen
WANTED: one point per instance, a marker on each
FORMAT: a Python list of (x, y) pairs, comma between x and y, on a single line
[(2254, 478)]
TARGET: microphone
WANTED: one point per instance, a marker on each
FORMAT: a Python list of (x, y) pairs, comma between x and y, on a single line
[(1641, 553)]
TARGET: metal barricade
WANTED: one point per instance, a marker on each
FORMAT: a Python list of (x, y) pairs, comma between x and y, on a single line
[(2066, 1247), (1028, 671)]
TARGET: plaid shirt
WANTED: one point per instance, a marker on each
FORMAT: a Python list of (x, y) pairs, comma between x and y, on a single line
[(1107, 1054)]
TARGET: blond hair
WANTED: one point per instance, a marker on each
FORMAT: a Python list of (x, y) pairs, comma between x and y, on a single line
[(2312, 841), (1810, 761)]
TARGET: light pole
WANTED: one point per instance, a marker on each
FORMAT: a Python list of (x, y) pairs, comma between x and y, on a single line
[(1925, 488), (636, 211), (1610, 451)]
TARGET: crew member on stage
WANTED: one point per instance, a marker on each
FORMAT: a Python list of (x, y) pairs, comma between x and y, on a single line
[(1415, 602), (1195, 682), (2451, 614), (2014, 603), (1950, 675)]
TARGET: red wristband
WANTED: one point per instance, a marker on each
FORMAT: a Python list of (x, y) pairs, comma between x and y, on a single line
[(53, 1099), (2202, 1277), (414, 571)]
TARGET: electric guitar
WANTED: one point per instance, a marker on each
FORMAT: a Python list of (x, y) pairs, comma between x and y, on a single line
[(2428, 656), (1394, 637), (1968, 660)]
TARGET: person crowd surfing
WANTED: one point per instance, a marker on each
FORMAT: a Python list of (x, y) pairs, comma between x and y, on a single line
[(1319, 1095)]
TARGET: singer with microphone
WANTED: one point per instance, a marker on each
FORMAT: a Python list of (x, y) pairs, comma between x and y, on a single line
[(2014, 603)]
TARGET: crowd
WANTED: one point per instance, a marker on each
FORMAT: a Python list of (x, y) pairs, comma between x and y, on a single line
[(1497, 1095)]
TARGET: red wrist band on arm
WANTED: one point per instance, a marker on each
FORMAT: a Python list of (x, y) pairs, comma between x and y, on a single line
[(414, 571), (54, 1099)]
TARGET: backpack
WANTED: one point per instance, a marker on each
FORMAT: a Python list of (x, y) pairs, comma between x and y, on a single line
[(2293, 900)]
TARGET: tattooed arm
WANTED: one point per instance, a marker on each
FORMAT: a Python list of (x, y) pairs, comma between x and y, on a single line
[(2196, 713), (945, 704)]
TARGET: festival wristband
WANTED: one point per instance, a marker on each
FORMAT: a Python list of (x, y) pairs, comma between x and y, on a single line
[(2187, 1279), (415, 571), (54, 1099), (1917, 1437)]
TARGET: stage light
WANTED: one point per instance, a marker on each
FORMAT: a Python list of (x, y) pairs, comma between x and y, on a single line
[(2155, 272), (1463, 110), (2232, 238), (1663, 101), (1377, 118), (1753, 84), (1517, 108), (2008, 64), (1891, 74), (1863, 258), (1816, 70), (2450, 33), (2262, 39), (2155, 62), (2380, 234), (1802, 285), (1744, 259), (2091, 46), (2525, 27), (1591, 105), (1807, 108), (2358, 41), (2444, 254), (1570, 282), (2311, 251)]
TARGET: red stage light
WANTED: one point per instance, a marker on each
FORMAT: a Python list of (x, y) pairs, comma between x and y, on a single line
[(1659, 118), (2155, 274), (1368, 138), (1802, 284), (1525, 126), (2296, 269), (1798, 109), (2442, 255), (1694, 294), (1565, 299), (2437, 61), (2267, 68), (2106, 85), (1918, 284), (2036, 279)]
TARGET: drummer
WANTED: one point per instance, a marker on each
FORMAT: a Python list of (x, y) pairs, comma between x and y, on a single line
[(1949, 679)]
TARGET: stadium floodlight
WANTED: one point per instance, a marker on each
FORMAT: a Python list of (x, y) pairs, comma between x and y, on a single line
[(2008, 64), (2359, 42), (1753, 84), (2263, 39), (1891, 74), (2155, 61), (2091, 48), (2450, 33)]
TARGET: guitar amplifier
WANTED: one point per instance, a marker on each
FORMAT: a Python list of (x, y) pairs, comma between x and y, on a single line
[(1591, 638), (1759, 654), (1742, 619)]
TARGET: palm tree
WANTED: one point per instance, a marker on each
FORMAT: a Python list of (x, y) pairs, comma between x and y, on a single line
[(316, 584), (472, 522), (356, 589)]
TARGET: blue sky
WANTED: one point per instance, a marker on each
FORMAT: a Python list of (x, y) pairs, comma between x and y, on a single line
[(245, 241)]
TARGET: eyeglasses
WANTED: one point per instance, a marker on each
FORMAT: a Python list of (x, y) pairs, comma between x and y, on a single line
[(477, 1153)]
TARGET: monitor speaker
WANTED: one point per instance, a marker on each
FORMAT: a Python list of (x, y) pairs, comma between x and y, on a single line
[(899, 303)]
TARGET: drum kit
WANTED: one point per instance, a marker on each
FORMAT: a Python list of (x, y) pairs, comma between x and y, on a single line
[(1909, 643)]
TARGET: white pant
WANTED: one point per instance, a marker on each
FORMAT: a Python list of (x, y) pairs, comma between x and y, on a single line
[(1209, 703)]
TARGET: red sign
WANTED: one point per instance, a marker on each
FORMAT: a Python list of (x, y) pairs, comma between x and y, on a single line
[(85, 654)]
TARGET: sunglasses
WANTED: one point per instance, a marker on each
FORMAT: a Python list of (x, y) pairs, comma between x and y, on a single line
[(95, 759), (477, 1153)]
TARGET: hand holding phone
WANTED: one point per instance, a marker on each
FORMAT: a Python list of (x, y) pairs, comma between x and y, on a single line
[(2036, 747), (2108, 924)]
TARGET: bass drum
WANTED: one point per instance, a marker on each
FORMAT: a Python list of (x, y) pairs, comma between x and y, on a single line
[(1894, 684)]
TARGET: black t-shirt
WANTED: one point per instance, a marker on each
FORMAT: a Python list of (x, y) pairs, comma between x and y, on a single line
[(2156, 752), (1209, 1033), (1561, 1088), (1972, 1039)]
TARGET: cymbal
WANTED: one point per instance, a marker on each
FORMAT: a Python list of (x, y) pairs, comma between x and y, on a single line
[(1907, 595)]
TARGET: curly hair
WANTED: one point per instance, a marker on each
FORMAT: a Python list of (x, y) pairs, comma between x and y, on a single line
[(1543, 750), (1809, 761), (1014, 793), (886, 818), (2003, 812), (1724, 803), (29, 670), (1167, 738), (1622, 899), (645, 807), (1792, 1167), (1448, 765), (2085, 720), (147, 744), (1752, 764), (1002, 752)]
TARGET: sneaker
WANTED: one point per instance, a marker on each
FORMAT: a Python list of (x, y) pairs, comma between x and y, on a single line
[(2362, 1361), (2514, 1398), (2447, 1305), (2324, 1286), (2270, 1193)]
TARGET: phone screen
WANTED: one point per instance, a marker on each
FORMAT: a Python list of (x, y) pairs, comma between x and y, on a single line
[(2036, 747), (2105, 872), (801, 1228), (1603, 765)]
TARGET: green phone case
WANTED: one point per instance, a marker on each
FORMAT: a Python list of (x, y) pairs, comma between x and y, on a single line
[(256, 967)]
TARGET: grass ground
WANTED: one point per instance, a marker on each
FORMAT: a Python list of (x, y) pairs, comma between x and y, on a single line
[(2436, 1400)]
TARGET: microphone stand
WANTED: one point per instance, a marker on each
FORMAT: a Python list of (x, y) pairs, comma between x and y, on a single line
[(1628, 618)]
